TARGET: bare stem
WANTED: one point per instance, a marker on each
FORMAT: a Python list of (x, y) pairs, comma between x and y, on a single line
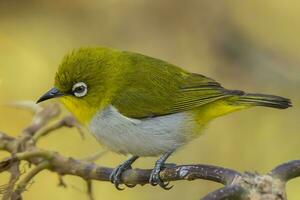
[(68, 121), (29, 176)]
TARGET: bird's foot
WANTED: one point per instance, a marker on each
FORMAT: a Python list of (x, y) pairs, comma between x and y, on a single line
[(116, 175), (155, 177)]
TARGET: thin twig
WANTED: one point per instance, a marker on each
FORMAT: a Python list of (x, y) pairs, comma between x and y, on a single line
[(42, 118), (21, 187), (14, 177), (68, 121), (30, 106)]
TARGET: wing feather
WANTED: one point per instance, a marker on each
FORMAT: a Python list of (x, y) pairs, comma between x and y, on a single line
[(158, 88)]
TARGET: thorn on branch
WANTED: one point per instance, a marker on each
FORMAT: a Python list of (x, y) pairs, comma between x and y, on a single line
[(89, 185), (61, 182)]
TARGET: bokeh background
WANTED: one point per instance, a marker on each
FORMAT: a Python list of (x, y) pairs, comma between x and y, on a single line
[(251, 45)]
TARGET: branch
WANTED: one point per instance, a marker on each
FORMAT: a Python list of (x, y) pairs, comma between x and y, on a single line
[(90, 171), (23, 148), (287, 171), (21, 186), (67, 121), (233, 192)]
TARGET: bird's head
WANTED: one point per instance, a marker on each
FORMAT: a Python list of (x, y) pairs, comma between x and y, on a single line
[(83, 81)]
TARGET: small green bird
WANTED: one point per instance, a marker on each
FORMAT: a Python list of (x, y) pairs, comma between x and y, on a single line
[(142, 106)]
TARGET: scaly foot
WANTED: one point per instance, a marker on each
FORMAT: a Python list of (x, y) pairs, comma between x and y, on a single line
[(160, 165), (115, 176)]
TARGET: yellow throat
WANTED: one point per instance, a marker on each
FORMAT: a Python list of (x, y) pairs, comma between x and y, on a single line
[(80, 109)]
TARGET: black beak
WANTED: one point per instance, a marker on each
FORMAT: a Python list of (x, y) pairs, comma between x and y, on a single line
[(53, 93)]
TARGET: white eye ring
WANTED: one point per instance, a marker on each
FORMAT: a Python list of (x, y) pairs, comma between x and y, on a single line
[(80, 89)]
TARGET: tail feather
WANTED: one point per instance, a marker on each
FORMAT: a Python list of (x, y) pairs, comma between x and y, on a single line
[(265, 100)]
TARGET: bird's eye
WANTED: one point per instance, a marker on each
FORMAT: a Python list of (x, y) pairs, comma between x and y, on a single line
[(80, 89)]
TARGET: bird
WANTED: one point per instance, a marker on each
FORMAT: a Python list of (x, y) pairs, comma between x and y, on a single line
[(141, 106)]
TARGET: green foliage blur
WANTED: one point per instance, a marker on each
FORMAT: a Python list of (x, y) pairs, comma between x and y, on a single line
[(251, 45)]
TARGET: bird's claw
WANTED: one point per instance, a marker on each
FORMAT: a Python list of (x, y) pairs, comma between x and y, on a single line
[(130, 185), (115, 176), (155, 177)]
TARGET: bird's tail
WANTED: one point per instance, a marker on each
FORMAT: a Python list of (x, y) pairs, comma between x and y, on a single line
[(264, 100), (239, 100)]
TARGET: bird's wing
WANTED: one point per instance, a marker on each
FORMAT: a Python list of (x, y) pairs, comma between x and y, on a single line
[(158, 88)]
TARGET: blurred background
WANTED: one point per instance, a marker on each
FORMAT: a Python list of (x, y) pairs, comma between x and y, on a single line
[(251, 45)]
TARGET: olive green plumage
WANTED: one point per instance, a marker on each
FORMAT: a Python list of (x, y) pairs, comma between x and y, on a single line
[(140, 86)]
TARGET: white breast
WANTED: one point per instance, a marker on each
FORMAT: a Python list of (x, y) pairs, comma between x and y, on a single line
[(146, 137)]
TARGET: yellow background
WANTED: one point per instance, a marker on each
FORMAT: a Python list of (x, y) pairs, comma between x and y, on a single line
[(251, 45)]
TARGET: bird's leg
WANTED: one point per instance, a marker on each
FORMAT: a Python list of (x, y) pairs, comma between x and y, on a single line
[(115, 176), (159, 165)]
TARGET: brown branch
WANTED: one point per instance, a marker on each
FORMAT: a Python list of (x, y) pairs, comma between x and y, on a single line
[(91, 171), (287, 171), (23, 148), (232, 192)]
